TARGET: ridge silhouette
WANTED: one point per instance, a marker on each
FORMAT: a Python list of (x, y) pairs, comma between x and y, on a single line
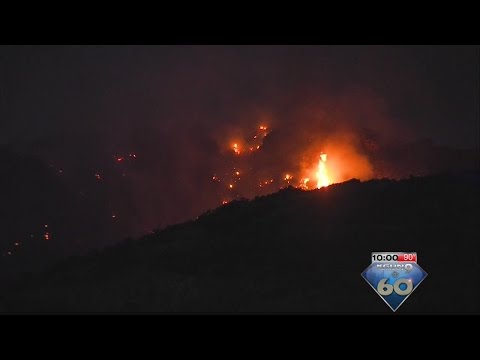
[(293, 250)]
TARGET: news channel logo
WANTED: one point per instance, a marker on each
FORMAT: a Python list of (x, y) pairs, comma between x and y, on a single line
[(394, 276)]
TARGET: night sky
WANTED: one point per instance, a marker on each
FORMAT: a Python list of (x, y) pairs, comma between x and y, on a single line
[(155, 124)]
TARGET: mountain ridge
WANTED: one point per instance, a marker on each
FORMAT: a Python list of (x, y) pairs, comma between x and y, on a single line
[(293, 250)]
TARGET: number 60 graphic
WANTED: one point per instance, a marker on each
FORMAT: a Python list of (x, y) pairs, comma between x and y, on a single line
[(386, 289)]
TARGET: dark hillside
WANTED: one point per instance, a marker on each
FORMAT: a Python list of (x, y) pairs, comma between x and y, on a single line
[(290, 251)]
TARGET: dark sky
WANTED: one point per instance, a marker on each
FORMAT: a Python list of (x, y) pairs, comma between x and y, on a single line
[(83, 105), (51, 92)]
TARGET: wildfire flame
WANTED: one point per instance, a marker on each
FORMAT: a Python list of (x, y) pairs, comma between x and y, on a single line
[(322, 176), (303, 184), (307, 169)]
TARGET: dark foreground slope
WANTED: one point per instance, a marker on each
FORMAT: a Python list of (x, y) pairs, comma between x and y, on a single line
[(290, 251)]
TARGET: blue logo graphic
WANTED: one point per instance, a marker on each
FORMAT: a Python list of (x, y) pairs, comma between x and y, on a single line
[(394, 281)]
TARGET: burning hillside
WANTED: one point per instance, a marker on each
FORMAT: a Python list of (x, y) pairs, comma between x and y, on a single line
[(253, 165)]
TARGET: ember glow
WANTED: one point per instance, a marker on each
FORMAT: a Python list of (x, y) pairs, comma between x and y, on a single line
[(236, 149)]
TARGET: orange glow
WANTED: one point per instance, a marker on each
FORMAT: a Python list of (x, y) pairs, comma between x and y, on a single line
[(322, 176), (307, 162), (304, 183), (345, 161)]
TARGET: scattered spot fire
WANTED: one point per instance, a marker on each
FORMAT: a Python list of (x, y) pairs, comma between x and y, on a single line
[(46, 235), (252, 143)]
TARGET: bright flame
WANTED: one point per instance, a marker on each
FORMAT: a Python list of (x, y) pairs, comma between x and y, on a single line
[(322, 177), (303, 183)]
